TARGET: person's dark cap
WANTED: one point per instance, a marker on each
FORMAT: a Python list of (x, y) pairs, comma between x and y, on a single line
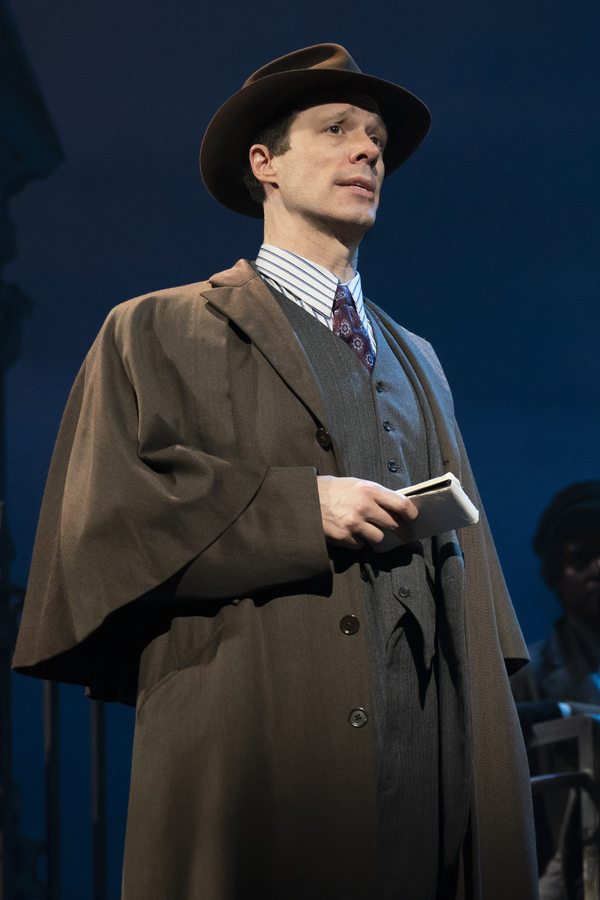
[(279, 88), (572, 512)]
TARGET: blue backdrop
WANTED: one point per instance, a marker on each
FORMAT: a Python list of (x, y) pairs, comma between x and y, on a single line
[(486, 244)]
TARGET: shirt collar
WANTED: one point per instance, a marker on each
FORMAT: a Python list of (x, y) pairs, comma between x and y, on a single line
[(311, 283)]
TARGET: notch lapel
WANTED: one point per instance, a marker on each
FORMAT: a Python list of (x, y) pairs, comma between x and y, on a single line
[(241, 295)]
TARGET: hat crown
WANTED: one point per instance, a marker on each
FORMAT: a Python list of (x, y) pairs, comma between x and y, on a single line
[(321, 56)]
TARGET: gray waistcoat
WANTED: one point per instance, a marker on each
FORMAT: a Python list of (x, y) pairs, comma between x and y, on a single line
[(380, 432)]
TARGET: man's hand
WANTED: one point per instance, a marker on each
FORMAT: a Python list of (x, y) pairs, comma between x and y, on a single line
[(351, 508)]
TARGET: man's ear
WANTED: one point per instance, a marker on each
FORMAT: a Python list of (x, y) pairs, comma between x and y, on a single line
[(262, 163)]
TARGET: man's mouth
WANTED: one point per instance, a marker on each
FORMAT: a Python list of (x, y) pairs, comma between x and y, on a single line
[(361, 186)]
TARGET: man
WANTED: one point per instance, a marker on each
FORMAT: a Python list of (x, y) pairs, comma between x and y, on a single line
[(565, 666), (314, 719), (564, 675)]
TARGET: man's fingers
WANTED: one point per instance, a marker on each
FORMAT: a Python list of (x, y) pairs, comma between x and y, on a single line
[(352, 508), (398, 503)]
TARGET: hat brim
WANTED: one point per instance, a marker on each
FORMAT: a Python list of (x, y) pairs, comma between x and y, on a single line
[(229, 136)]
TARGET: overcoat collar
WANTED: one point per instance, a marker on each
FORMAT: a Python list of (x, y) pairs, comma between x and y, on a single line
[(241, 295)]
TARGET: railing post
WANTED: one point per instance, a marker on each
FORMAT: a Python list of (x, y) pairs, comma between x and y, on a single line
[(99, 798), (51, 747)]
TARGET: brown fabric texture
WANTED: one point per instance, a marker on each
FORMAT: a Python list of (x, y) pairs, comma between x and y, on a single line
[(181, 526)]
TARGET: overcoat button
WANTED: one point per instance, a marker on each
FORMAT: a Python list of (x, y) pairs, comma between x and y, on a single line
[(404, 592), (349, 624), (324, 438), (358, 718), (379, 386), (364, 573), (392, 465)]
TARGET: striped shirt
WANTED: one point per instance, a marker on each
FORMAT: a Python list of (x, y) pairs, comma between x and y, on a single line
[(308, 284)]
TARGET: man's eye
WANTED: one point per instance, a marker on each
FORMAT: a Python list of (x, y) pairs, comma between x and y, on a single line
[(335, 129), (377, 141)]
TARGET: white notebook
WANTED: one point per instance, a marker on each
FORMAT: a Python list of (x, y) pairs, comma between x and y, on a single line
[(443, 506)]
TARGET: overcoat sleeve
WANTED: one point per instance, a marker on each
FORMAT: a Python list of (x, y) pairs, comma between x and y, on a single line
[(156, 466)]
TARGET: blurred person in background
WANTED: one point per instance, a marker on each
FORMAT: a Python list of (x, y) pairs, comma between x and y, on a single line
[(563, 677)]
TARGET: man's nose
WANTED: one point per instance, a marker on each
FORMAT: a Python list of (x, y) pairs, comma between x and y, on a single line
[(366, 149)]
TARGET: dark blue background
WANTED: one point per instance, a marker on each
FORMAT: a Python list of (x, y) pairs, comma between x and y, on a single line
[(486, 244)]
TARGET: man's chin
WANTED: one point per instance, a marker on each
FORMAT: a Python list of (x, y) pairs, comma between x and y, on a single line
[(352, 226)]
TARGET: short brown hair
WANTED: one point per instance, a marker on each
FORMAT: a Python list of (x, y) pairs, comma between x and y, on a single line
[(276, 138)]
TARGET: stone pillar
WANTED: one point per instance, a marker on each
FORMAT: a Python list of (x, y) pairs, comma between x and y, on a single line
[(29, 148)]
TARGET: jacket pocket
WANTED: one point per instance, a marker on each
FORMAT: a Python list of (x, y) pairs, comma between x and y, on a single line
[(191, 640)]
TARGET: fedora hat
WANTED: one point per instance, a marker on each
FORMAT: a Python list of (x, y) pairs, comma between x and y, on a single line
[(274, 91)]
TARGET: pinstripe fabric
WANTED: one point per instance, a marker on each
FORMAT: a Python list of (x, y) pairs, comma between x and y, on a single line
[(308, 284), (400, 610)]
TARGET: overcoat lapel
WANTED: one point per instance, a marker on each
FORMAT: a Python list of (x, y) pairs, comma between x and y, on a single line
[(242, 296)]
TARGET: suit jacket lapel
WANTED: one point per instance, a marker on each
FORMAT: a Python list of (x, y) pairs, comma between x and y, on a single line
[(241, 295), (428, 377)]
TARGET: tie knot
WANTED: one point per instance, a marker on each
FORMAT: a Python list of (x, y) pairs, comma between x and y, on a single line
[(343, 297)]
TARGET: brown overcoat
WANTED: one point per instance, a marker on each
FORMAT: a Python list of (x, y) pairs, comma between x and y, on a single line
[(190, 444)]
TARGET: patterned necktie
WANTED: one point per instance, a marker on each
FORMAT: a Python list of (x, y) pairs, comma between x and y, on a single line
[(347, 324)]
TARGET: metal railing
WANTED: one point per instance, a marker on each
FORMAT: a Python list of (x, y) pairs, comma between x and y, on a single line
[(98, 792), (19, 855)]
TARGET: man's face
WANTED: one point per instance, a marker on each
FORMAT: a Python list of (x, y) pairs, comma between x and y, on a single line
[(331, 175), (578, 585)]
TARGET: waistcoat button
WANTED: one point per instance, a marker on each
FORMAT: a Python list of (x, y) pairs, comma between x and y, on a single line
[(324, 438), (349, 624), (387, 425), (404, 592), (392, 465), (379, 386), (364, 574)]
